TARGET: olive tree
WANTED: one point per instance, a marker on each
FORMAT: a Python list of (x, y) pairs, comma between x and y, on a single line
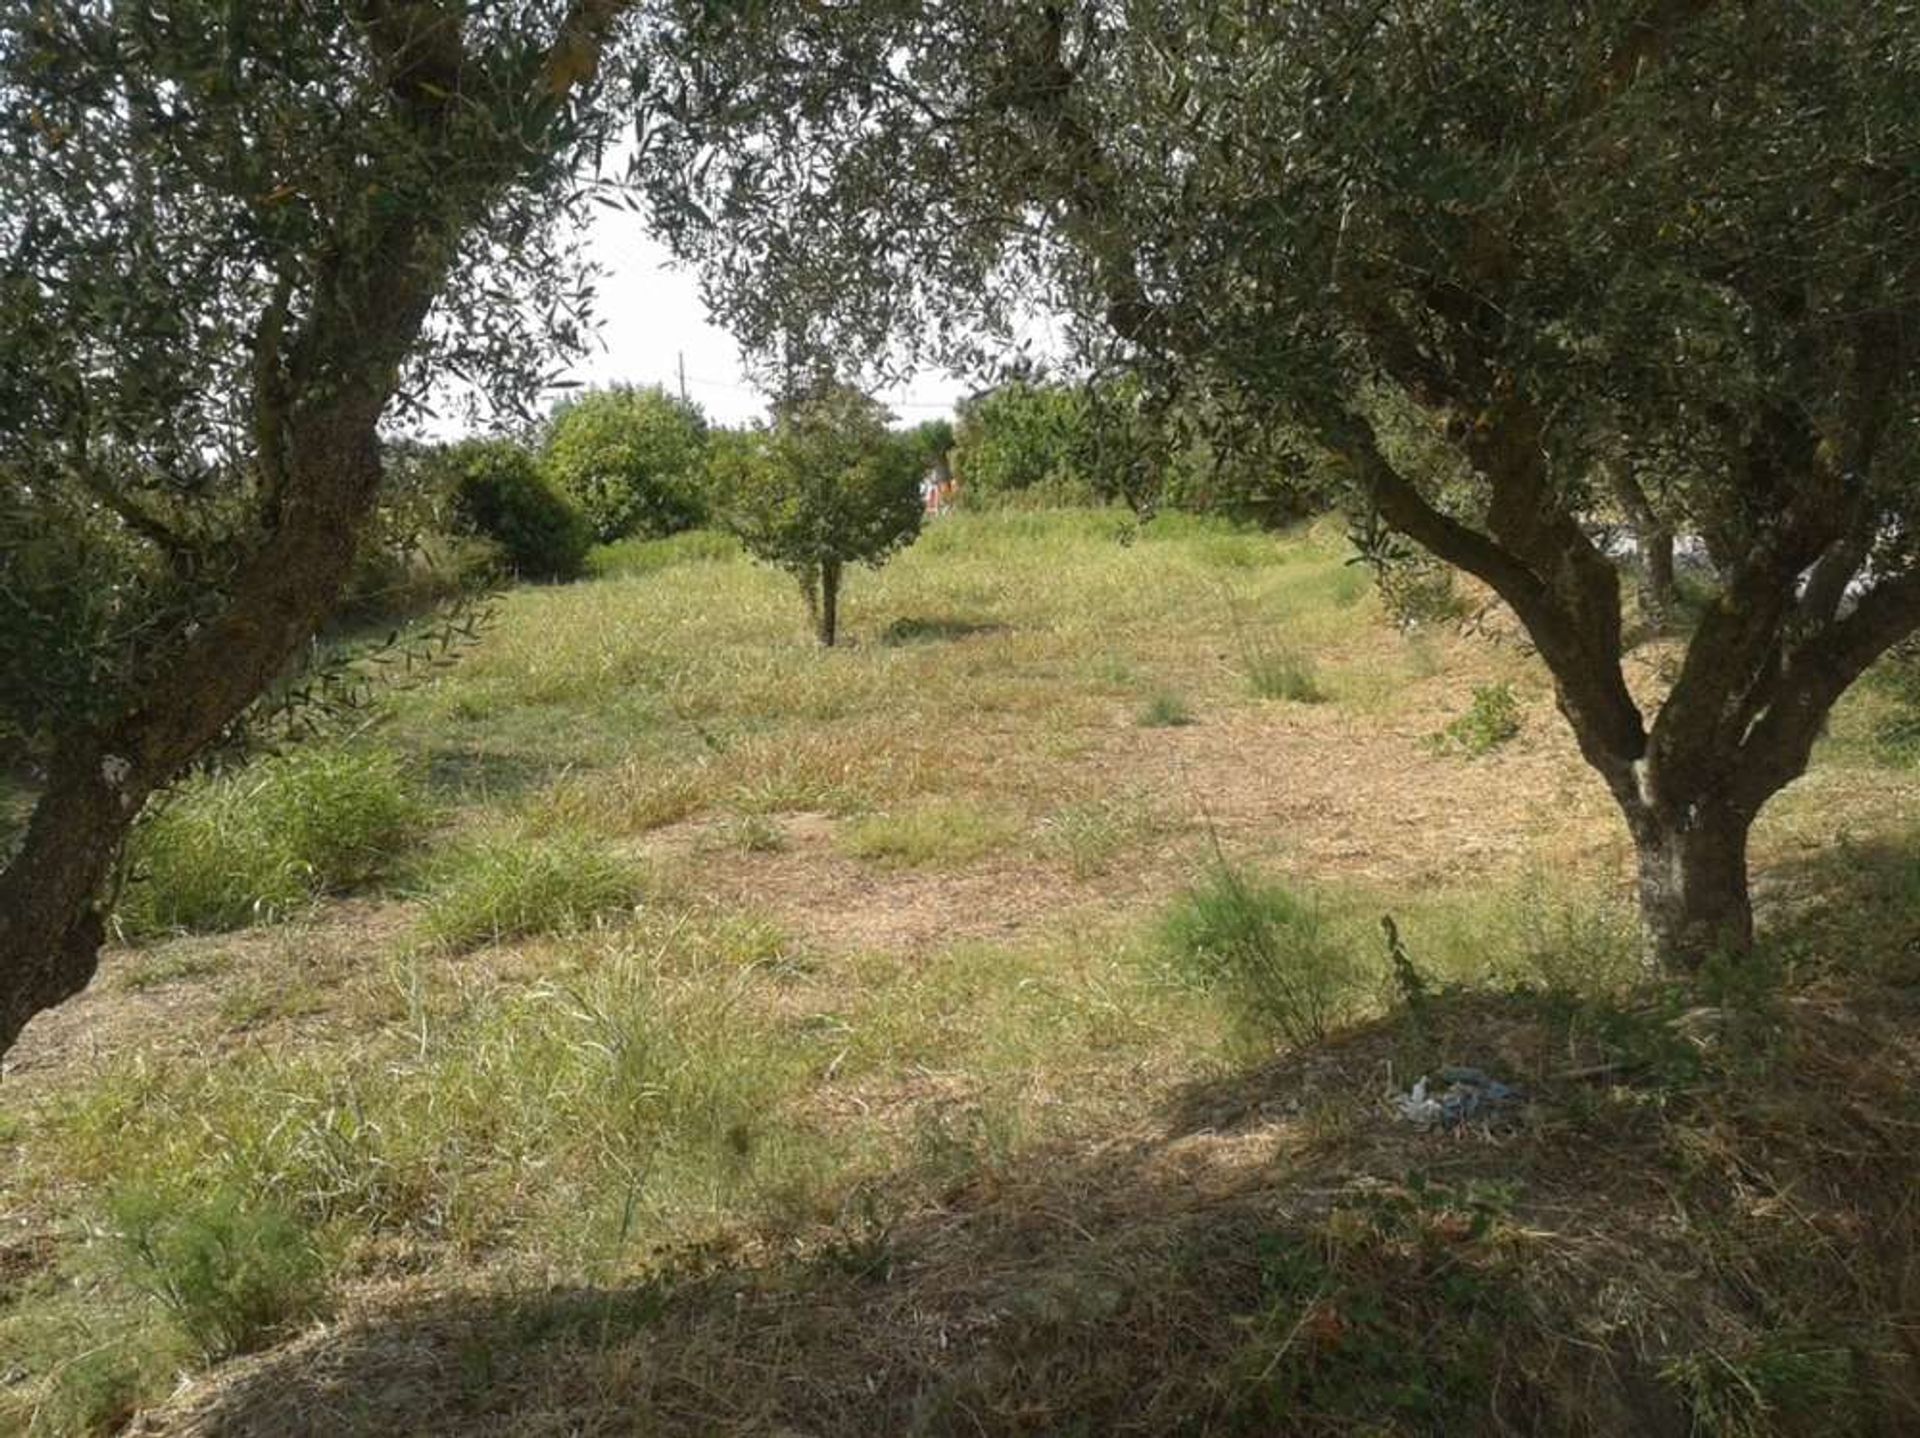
[(825, 485), (233, 240), (1512, 270)]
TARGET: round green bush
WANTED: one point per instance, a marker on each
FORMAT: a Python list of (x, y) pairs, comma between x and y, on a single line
[(633, 460), (499, 492)]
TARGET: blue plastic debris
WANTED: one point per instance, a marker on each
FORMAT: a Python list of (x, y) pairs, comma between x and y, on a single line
[(1468, 1094)]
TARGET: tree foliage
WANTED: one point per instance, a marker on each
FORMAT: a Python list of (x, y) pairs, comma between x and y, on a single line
[(825, 485), (498, 490), (1021, 437), (1498, 264), (632, 459), (235, 240)]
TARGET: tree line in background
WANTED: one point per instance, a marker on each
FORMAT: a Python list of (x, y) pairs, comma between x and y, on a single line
[(823, 484)]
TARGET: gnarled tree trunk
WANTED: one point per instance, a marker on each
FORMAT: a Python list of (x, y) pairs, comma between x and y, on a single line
[(1694, 902), (51, 924)]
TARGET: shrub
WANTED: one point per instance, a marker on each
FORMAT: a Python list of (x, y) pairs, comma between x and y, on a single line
[(1265, 952), (631, 459), (1164, 710), (223, 852), (514, 884), (230, 1276), (499, 491), (1491, 720)]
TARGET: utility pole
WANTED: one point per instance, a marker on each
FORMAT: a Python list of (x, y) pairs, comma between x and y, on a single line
[(683, 375)]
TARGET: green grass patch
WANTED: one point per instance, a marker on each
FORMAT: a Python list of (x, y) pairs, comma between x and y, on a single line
[(1092, 834), (1164, 709), (649, 556), (257, 845), (513, 884), (939, 832)]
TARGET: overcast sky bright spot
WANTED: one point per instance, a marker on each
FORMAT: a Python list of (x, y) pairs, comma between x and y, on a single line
[(651, 315)]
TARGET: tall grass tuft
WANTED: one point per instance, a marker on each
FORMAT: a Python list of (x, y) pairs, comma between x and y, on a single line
[(224, 852), (230, 1275), (1266, 953), (512, 884), (1280, 671)]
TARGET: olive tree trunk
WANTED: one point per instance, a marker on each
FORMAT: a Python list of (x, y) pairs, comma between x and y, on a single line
[(1694, 901), (1653, 537), (1774, 649), (51, 923), (325, 468)]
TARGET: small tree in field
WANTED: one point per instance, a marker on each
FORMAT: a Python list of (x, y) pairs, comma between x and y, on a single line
[(825, 486)]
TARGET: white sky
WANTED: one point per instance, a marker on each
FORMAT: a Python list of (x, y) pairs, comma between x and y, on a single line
[(651, 315)]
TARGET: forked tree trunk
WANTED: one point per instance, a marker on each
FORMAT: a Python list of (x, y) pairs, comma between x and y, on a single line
[(829, 602), (1654, 537), (1694, 900)]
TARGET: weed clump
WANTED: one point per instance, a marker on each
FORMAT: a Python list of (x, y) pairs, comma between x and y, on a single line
[(1267, 953), (1091, 834), (1492, 719), (512, 885), (1164, 709), (254, 846), (230, 1276), (1279, 671)]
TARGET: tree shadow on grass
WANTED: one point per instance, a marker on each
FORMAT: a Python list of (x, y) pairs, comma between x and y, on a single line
[(1853, 907), (1277, 1254), (460, 774), (931, 629)]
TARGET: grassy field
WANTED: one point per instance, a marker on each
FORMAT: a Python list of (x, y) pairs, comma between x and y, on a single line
[(653, 1023)]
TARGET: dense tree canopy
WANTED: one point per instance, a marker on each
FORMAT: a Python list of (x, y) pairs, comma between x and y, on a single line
[(631, 458), (1508, 268), (233, 241)]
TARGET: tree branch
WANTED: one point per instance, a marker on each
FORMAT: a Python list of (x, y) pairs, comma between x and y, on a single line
[(1776, 748), (270, 400), (1593, 693)]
